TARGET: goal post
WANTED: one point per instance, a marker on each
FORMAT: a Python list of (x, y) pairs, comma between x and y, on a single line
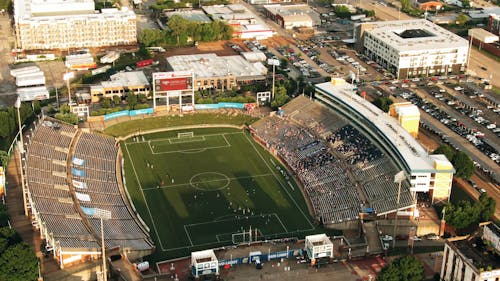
[(185, 135)]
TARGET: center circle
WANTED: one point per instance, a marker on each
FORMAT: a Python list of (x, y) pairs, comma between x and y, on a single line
[(209, 181)]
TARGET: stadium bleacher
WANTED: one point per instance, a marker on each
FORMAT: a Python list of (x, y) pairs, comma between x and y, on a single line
[(341, 170), (54, 200)]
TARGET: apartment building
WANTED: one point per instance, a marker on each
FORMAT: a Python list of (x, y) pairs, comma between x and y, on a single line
[(65, 24), (410, 48), (473, 257)]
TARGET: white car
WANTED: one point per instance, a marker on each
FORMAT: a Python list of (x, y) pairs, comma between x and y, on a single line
[(387, 238)]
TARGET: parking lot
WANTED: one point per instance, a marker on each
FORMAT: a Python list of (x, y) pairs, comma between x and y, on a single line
[(456, 123)]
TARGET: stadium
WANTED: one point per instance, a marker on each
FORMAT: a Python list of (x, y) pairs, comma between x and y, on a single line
[(163, 187)]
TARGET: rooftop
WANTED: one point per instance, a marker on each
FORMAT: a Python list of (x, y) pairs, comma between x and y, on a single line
[(477, 252), (413, 153), (190, 15), (414, 35), (61, 10), (211, 65), (297, 12), (124, 79)]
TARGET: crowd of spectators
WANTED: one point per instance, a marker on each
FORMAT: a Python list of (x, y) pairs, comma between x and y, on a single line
[(341, 170)]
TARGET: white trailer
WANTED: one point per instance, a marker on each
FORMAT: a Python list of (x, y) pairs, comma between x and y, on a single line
[(33, 93), (110, 57), (30, 80), (100, 70), (24, 70)]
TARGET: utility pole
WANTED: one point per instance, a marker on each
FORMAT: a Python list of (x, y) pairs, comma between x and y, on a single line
[(398, 178)]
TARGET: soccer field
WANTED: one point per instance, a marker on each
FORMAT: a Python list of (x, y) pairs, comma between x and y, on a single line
[(198, 189)]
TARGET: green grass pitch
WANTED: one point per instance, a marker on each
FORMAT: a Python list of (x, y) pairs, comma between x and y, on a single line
[(195, 192)]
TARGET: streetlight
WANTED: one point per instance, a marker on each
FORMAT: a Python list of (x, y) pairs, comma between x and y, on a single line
[(274, 63), (102, 215), (21, 152), (398, 178), (471, 37)]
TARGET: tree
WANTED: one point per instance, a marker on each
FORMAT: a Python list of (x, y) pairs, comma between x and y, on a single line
[(18, 263), (131, 100), (117, 100), (407, 268), (178, 25), (464, 166), (465, 3), (69, 118), (280, 97), (405, 5), (106, 103), (462, 19), (4, 158), (486, 206), (342, 11), (383, 103), (464, 214), (447, 150)]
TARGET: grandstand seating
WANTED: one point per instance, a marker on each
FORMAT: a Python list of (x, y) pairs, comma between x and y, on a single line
[(341, 170), (54, 202)]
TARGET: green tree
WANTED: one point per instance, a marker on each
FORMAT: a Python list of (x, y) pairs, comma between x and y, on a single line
[(447, 150), (342, 11), (132, 100), (407, 268), (406, 5), (4, 158), (117, 100), (465, 3), (280, 97), (383, 103), (486, 206), (106, 103), (18, 263), (462, 19), (464, 166), (69, 118), (461, 215), (178, 26), (152, 37)]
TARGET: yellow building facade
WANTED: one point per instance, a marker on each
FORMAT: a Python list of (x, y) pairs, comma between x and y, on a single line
[(407, 115)]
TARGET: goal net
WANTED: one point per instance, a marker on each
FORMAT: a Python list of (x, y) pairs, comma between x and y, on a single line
[(185, 135)]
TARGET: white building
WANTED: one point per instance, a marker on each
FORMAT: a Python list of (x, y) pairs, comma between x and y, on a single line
[(246, 25), (470, 257), (212, 71), (413, 47), (63, 24), (426, 173), (291, 16), (120, 84)]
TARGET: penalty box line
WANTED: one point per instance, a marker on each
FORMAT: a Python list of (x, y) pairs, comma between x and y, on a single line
[(227, 145), (187, 226)]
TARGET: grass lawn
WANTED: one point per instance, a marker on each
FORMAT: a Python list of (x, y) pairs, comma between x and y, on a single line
[(202, 191), (458, 194), (129, 127)]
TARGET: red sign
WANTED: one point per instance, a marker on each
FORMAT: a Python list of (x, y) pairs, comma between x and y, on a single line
[(174, 84)]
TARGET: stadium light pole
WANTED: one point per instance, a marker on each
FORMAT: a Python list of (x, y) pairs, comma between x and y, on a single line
[(398, 178), (21, 152), (274, 63), (103, 215)]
